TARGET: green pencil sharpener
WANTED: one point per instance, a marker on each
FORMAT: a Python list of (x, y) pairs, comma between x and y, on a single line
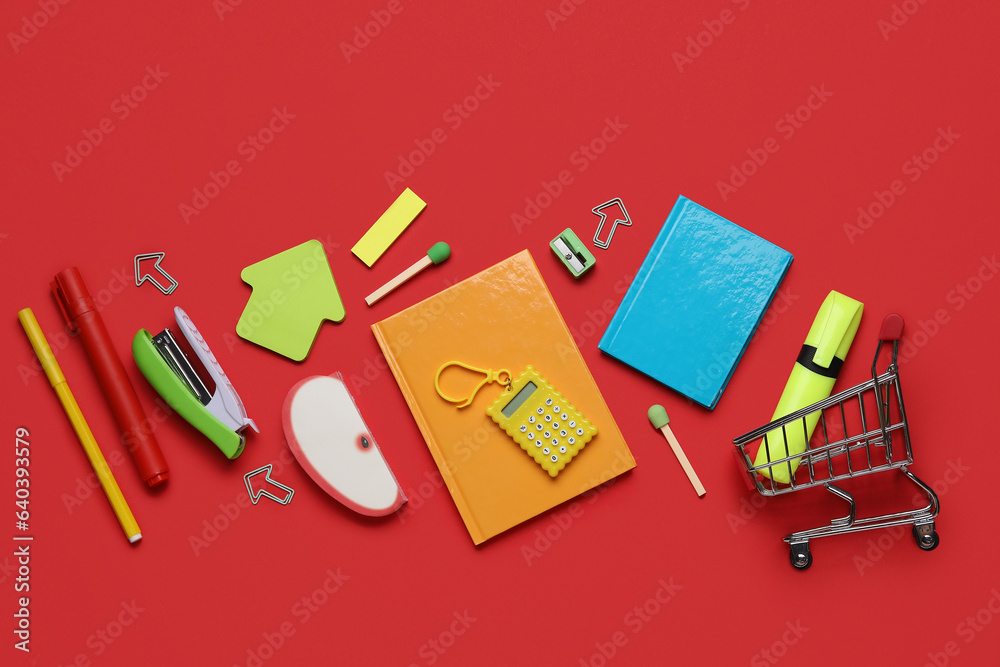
[(574, 254)]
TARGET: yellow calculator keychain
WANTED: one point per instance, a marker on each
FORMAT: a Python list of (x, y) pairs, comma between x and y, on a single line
[(533, 413)]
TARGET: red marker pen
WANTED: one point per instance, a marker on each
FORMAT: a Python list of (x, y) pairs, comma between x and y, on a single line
[(81, 315)]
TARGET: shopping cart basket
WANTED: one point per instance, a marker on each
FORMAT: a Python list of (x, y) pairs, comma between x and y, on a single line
[(860, 431)]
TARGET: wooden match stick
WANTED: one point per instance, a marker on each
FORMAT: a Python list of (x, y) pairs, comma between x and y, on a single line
[(435, 255), (658, 417)]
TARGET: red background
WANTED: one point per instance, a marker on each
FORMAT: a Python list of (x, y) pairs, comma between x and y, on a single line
[(871, 597)]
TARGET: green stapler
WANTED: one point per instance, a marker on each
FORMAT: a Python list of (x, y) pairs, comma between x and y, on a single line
[(220, 416)]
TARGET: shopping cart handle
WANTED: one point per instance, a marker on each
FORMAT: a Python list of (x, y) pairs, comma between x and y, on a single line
[(892, 328)]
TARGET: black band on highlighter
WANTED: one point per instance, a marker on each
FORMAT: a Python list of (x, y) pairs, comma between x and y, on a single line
[(806, 356)]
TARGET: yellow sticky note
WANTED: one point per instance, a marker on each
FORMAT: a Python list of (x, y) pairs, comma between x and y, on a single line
[(388, 227)]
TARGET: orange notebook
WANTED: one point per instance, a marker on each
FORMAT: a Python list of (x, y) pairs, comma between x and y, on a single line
[(503, 317)]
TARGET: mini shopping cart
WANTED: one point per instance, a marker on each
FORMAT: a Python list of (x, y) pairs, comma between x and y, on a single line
[(860, 431)]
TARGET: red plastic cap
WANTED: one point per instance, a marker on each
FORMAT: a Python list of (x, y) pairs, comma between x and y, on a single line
[(892, 327), (71, 295), (158, 478)]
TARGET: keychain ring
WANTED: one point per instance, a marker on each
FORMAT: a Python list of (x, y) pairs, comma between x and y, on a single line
[(490, 376)]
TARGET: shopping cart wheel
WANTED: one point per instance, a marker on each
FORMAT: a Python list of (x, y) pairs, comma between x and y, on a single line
[(926, 536), (800, 556)]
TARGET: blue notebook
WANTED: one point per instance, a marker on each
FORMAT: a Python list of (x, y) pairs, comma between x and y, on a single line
[(695, 303)]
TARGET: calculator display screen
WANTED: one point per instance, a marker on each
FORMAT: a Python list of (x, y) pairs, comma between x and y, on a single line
[(519, 399)]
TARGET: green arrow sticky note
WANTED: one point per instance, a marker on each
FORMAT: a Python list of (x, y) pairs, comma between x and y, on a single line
[(293, 292)]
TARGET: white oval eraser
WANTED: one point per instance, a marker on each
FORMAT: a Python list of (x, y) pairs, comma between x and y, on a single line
[(332, 443)]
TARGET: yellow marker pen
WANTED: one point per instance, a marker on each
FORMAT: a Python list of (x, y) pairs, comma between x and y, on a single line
[(811, 380), (58, 382)]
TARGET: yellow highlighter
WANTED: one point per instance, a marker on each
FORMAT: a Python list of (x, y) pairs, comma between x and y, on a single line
[(58, 382), (812, 379)]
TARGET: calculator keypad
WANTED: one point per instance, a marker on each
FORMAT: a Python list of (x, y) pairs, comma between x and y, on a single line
[(559, 432)]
